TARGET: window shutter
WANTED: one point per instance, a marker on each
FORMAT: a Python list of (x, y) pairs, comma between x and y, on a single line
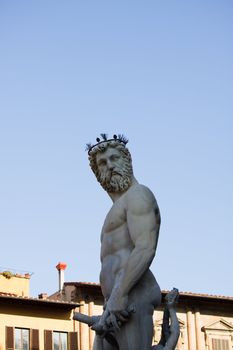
[(34, 339), (9, 338), (73, 341), (48, 341), (220, 344)]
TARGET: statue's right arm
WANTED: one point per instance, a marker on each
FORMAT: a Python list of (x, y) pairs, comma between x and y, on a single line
[(143, 221)]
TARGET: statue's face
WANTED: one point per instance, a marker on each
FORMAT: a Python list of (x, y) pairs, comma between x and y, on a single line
[(114, 170)]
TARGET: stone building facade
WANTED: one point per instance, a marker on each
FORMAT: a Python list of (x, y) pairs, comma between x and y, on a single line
[(33, 323), (206, 321)]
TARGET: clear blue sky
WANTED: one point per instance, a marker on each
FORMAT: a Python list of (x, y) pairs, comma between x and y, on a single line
[(161, 72)]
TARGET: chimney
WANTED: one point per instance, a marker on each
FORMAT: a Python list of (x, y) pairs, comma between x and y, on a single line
[(61, 266)]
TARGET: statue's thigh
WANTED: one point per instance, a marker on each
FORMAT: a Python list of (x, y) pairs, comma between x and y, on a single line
[(102, 344), (137, 333)]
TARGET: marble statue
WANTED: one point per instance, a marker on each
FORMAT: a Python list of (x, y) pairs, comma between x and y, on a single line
[(129, 240)]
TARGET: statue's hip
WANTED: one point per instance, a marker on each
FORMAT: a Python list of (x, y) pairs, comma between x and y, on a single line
[(146, 291)]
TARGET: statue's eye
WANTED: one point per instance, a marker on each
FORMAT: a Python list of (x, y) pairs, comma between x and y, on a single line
[(115, 157), (101, 162)]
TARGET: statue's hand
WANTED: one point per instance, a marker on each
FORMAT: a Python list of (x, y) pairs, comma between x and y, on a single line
[(100, 326), (171, 298)]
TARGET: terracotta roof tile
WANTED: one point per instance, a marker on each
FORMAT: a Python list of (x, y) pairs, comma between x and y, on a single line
[(211, 296), (36, 300), (8, 294), (207, 295)]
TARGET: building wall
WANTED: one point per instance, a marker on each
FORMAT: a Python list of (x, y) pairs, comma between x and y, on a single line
[(197, 323), (18, 285), (39, 318)]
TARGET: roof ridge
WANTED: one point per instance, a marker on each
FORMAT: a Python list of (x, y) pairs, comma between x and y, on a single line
[(163, 291)]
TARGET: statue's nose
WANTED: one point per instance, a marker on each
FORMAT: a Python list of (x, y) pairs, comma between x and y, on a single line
[(110, 165)]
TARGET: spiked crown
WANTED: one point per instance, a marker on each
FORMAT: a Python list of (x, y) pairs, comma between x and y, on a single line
[(104, 138)]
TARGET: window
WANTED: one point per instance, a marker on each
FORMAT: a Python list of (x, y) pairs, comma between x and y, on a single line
[(218, 335), (21, 339), (55, 340), (59, 341), (220, 344)]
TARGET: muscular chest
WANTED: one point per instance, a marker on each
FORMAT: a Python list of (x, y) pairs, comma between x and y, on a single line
[(115, 218), (115, 237)]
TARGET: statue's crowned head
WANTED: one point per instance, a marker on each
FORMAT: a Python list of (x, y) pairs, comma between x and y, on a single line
[(111, 162)]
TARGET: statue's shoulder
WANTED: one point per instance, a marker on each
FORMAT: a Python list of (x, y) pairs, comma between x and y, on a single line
[(139, 190), (140, 197)]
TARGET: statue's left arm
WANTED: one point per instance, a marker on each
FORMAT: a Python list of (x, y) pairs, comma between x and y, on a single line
[(143, 221)]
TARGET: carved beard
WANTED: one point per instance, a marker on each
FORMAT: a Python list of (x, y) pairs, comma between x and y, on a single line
[(117, 181)]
